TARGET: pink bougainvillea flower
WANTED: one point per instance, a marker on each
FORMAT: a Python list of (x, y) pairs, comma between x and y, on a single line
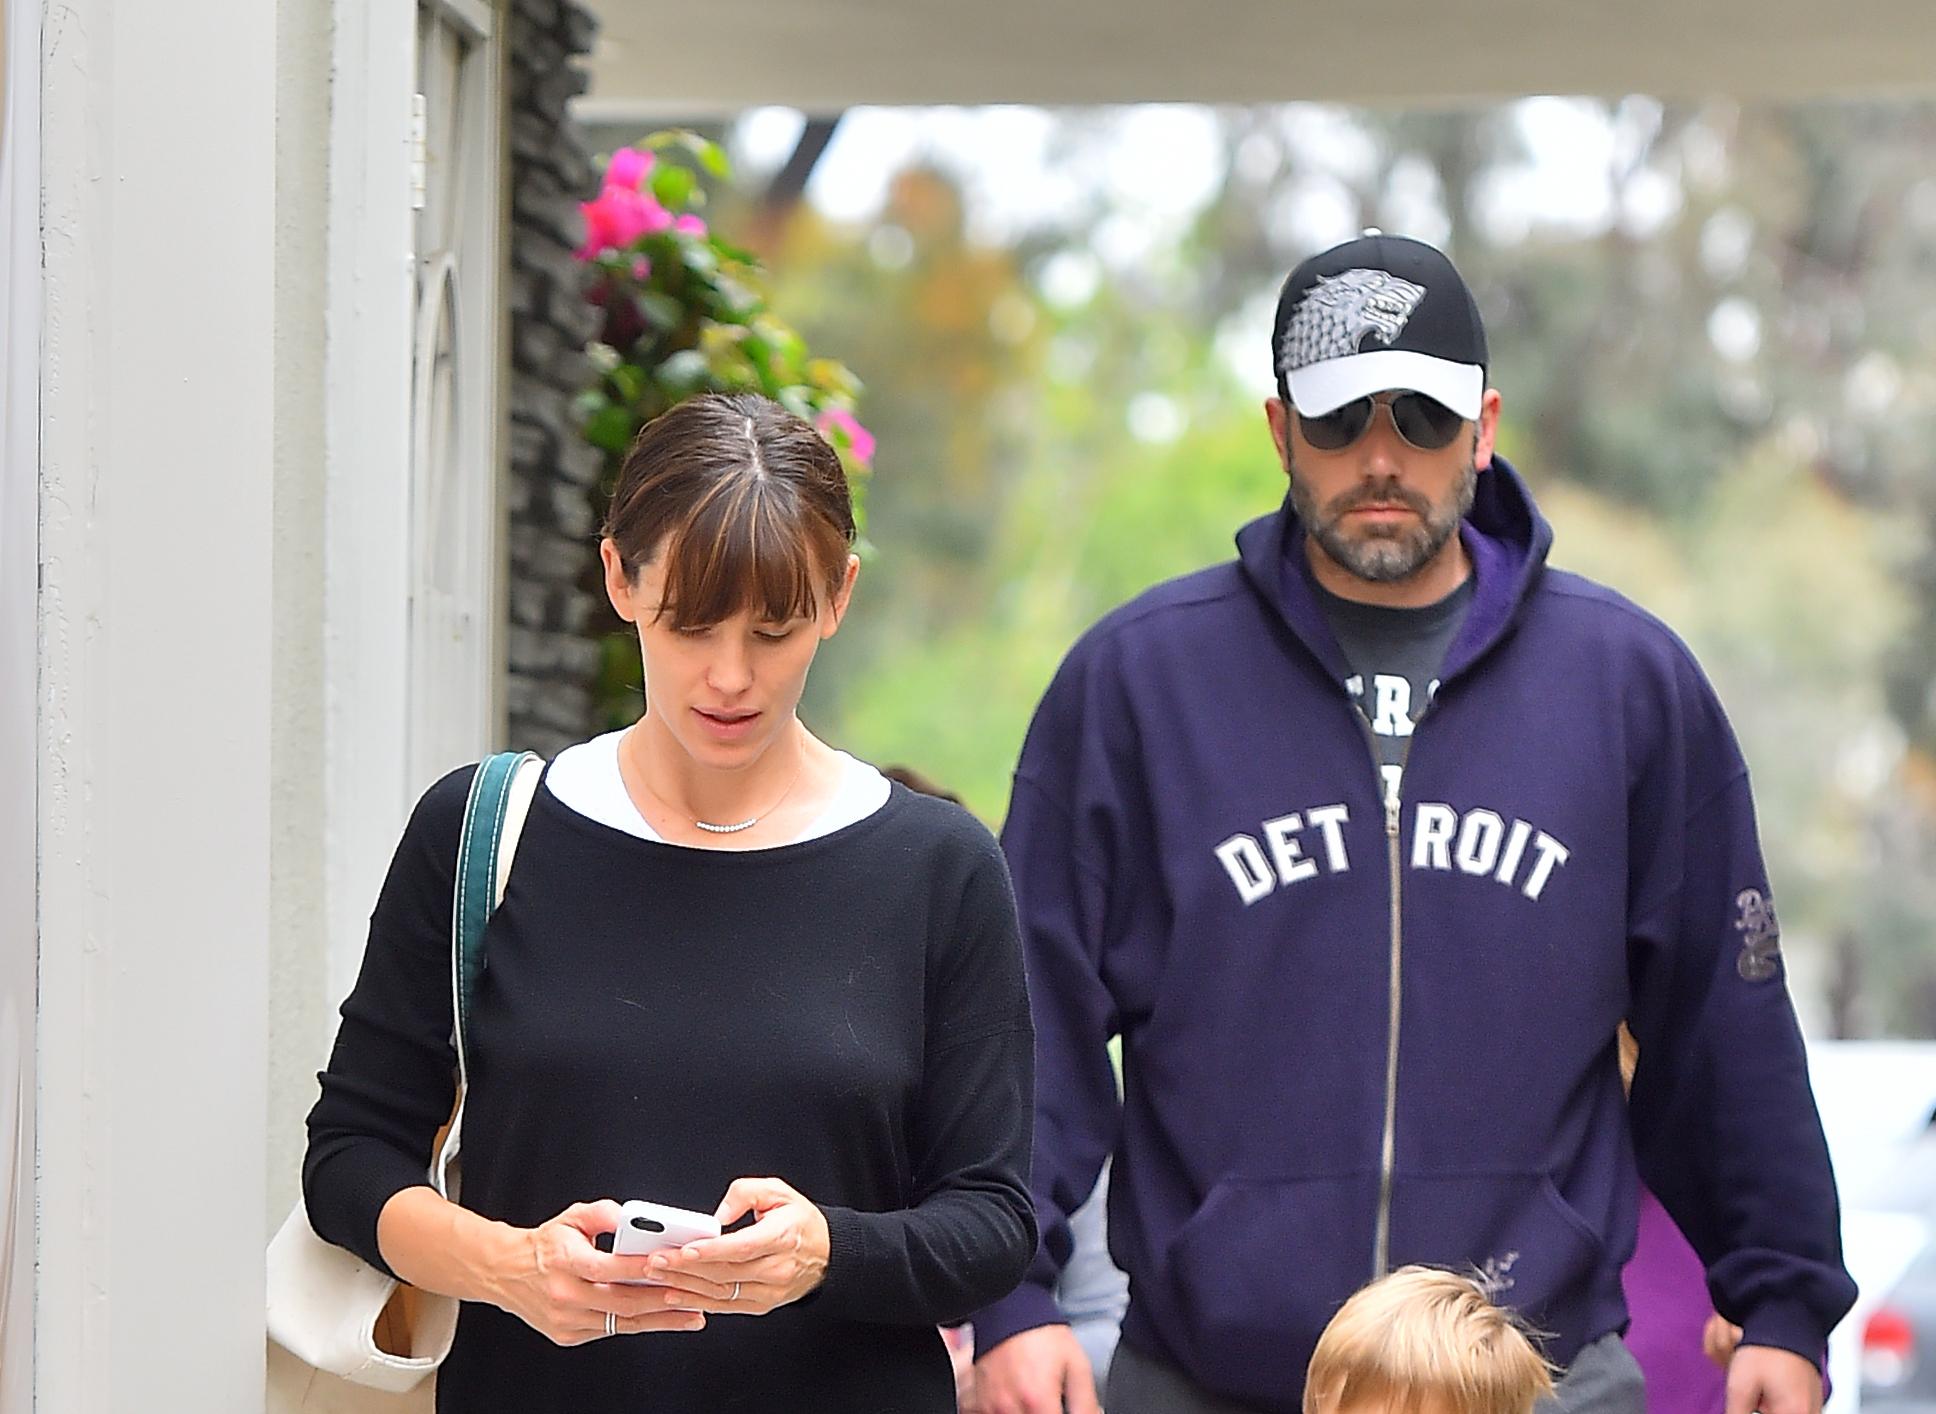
[(641, 269), (628, 168), (689, 225), (619, 217), (653, 218), (598, 235), (860, 442)]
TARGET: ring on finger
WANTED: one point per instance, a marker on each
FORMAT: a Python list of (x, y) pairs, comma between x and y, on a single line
[(611, 1323), (735, 1295)]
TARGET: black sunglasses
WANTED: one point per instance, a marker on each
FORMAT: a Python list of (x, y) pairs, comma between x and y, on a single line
[(1425, 423)]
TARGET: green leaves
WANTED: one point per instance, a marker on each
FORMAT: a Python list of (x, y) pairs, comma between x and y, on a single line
[(708, 154), (682, 374), (734, 254), (628, 381), (728, 352), (700, 258), (664, 311), (685, 313), (610, 428), (676, 187), (733, 300), (833, 376)]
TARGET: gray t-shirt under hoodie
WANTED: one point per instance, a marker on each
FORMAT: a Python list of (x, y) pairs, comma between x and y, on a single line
[(1395, 656)]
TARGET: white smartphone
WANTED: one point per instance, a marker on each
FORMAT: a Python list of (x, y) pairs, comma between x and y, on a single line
[(648, 1227)]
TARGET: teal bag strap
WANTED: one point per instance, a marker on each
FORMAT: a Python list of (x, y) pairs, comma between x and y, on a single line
[(482, 849), (500, 795)]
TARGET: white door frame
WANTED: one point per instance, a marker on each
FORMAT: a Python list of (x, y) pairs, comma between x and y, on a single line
[(367, 370), (455, 477), (372, 511)]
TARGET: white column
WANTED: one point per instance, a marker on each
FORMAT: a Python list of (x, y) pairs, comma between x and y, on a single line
[(19, 561), (155, 653)]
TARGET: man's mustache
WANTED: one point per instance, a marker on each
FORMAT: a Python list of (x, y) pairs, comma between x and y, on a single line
[(1378, 493)]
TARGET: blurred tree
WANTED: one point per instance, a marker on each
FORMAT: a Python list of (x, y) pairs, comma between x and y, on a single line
[(1720, 372), (951, 341)]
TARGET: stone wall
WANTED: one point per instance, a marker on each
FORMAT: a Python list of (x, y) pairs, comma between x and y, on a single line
[(551, 658)]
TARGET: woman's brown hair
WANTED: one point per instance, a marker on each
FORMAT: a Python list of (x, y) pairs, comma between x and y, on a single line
[(747, 502)]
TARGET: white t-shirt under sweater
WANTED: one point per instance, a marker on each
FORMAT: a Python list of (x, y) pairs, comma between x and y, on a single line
[(586, 777)]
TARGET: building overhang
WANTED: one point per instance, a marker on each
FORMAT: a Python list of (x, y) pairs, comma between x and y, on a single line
[(653, 59)]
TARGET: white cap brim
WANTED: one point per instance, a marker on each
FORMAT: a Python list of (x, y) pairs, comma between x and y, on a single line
[(1328, 385)]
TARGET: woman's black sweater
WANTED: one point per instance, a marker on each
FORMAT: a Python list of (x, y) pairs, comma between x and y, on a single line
[(847, 1014)]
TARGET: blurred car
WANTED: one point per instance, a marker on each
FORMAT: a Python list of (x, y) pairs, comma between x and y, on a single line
[(1897, 1326), (1899, 1343), (1876, 1099)]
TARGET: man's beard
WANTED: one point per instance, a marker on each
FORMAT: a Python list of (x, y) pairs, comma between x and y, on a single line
[(1385, 554)]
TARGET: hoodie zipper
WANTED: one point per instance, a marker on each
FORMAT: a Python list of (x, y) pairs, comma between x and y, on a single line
[(1388, 1145), (1387, 1151)]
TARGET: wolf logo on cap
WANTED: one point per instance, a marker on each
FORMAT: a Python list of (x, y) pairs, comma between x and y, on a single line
[(1339, 310)]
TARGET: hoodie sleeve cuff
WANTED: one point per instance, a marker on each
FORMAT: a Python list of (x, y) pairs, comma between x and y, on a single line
[(1786, 1325), (1023, 1309)]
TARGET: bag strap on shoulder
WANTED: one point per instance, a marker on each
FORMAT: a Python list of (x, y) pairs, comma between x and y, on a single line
[(500, 798)]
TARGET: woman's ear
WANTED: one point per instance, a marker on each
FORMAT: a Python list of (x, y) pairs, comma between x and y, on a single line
[(843, 596), (618, 584)]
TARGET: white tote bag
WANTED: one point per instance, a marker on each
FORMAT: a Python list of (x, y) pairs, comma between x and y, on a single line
[(325, 1303)]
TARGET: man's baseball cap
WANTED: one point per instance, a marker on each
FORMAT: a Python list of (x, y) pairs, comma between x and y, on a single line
[(1374, 314)]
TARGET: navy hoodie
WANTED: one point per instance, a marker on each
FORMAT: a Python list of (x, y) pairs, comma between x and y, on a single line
[(1357, 1035)]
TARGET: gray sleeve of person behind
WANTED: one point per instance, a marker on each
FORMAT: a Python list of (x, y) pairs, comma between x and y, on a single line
[(968, 1229), (391, 1079), (1724, 1120), (1061, 838), (1093, 1292)]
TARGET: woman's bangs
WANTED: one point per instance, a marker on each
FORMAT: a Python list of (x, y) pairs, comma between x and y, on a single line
[(742, 552)]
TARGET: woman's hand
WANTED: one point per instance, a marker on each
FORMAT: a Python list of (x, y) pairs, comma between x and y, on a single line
[(778, 1259), (554, 1279)]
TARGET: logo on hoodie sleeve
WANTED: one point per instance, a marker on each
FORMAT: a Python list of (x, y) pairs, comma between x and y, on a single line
[(1760, 934)]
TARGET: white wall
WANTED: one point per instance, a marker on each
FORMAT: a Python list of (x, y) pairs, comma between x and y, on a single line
[(155, 660), (19, 551)]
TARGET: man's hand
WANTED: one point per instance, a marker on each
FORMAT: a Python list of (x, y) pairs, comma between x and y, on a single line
[(961, 1354), (1040, 1371), (1720, 1337), (1773, 1382)]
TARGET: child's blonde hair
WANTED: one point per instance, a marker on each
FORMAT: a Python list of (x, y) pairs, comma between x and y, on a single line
[(1425, 1341)]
